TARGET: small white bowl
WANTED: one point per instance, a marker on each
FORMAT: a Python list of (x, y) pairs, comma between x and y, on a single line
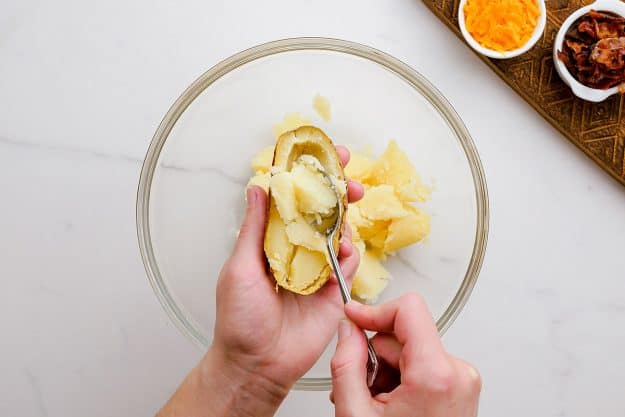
[(580, 90), (538, 31)]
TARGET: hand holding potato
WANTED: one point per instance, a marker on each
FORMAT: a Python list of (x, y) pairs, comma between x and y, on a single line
[(264, 339), (425, 381)]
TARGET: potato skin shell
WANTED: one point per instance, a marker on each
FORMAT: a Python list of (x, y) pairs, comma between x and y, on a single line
[(320, 139)]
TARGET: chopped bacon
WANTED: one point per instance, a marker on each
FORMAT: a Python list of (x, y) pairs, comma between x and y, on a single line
[(594, 50), (609, 52)]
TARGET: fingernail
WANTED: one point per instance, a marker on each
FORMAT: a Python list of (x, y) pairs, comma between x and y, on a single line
[(251, 197), (472, 372), (345, 329)]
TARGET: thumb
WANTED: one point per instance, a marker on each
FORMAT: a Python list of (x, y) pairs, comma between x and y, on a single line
[(249, 245), (349, 371)]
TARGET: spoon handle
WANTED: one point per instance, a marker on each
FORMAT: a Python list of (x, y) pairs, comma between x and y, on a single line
[(337, 271), (372, 363)]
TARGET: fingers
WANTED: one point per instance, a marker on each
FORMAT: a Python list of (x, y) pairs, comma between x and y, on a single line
[(330, 291), (349, 265), (409, 319), (349, 371), (354, 188), (355, 191), (469, 385), (343, 154), (387, 379), (249, 244), (388, 348), (346, 248)]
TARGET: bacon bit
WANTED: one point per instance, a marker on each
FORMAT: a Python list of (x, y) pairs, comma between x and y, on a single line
[(609, 52), (594, 50)]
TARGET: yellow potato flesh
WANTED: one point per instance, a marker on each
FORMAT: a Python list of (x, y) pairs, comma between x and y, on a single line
[(298, 193), (371, 278), (381, 203), (322, 107), (278, 249), (313, 193), (290, 122), (394, 168), (306, 263), (407, 230), (300, 233), (359, 167), (260, 180), (302, 208), (384, 221), (263, 159), (283, 193)]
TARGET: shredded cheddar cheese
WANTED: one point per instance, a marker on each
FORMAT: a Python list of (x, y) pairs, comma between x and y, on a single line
[(501, 25)]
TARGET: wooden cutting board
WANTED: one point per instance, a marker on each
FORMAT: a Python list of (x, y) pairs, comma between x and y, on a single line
[(598, 129)]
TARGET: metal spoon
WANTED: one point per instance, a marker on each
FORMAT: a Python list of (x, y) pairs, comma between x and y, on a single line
[(330, 232)]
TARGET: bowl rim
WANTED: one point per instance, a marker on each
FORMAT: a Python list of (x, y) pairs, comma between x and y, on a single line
[(186, 324), (594, 95), (491, 53)]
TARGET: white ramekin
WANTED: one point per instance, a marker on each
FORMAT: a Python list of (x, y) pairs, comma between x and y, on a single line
[(538, 31), (579, 89)]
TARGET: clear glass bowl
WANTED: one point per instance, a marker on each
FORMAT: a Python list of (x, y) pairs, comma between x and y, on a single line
[(190, 197)]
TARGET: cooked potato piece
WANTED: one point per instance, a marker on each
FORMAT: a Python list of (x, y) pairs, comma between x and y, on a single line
[(377, 228), (371, 278), (378, 240), (283, 193), (384, 221), (302, 204), (300, 233), (291, 122), (360, 245), (304, 265), (394, 168), (278, 249), (322, 107), (260, 180), (300, 198), (262, 161), (359, 167), (407, 230), (313, 193), (355, 219), (381, 203)]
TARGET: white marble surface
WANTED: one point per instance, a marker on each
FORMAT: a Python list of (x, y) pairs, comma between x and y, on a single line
[(82, 89)]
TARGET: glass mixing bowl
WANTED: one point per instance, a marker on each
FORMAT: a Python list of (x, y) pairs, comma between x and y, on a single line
[(191, 191)]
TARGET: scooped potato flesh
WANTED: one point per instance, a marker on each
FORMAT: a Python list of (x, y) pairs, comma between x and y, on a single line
[(384, 222), (302, 205), (299, 193)]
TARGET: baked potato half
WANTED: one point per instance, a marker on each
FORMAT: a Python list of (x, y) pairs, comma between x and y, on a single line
[(302, 206)]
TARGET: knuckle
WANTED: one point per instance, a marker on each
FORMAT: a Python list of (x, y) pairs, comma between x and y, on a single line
[(244, 230), (339, 366), (442, 380), (352, 408), (346, 412), (474, 380), (414, 299)]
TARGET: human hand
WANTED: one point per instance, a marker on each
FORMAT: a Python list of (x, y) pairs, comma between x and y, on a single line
[(274, 333), (264, 339), (425, 381)]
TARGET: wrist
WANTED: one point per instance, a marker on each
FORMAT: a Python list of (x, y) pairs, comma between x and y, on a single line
[(241, 390)]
